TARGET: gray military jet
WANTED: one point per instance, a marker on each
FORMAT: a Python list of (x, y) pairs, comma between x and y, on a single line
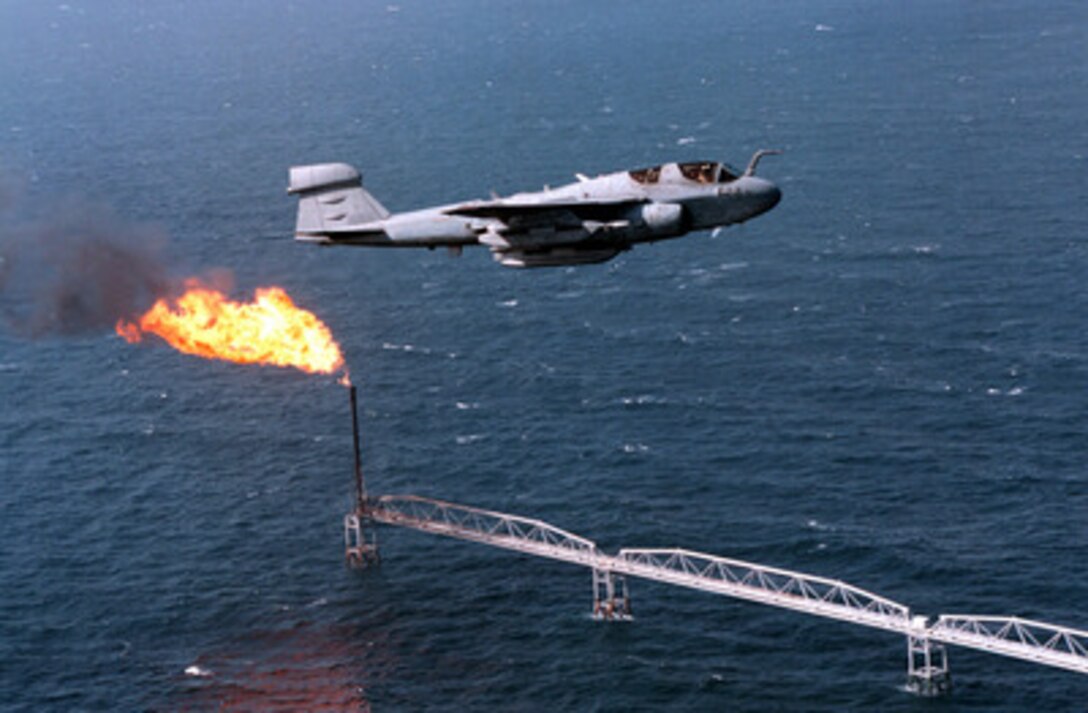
[(590, 221)]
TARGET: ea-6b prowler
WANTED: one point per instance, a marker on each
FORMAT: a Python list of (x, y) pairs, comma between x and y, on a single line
[(590, 221)]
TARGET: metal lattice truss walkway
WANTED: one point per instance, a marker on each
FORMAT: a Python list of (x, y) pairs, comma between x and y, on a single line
[(766, 585), (1033, 641), (1024, 639), (497, 529)]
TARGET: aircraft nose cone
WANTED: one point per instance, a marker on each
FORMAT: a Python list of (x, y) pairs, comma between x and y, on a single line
[(768, 194), (774, 197)]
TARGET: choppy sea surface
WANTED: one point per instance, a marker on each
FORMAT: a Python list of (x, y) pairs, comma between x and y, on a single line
[(884, 380)]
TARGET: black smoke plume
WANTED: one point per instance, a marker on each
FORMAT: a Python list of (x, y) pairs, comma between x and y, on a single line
[(77, 271)]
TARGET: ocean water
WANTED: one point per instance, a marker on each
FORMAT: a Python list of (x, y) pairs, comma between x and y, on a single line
[(884, 380)]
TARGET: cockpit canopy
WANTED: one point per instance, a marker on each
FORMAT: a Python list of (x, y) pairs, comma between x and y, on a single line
[(696, 171)]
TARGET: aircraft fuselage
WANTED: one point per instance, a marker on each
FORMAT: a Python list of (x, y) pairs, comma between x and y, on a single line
[(590, 220)]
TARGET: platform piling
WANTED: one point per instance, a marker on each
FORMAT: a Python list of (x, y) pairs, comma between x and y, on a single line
[(927, 667), (611, 600), (360, 541)]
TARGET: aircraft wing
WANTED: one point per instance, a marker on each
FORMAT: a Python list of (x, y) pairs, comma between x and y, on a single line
[(512, 212)]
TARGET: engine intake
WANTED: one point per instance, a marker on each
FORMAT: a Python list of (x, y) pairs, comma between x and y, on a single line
[(662, 218)]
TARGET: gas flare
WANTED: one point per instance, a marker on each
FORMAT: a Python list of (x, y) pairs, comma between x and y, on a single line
[(269, 330)]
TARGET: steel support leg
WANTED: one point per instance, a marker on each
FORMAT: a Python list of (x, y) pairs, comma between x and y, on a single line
[(360, 542), (927, 667), (611, 600)]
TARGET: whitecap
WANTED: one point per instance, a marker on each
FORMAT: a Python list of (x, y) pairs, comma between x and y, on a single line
[(389, 346), (685, 140), (824, 28), (508, 303), (197, 671), (640, 400), (470, 438), (467, 405)]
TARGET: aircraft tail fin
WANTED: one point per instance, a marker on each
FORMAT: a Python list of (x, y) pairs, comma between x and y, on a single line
[(331, 199)]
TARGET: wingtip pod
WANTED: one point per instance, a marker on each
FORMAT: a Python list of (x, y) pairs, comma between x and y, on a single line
[(751, 170)]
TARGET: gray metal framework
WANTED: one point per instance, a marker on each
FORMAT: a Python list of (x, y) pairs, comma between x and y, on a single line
[(766, 585), (1025, 639), (927, 664), (497, 529), (928, 672), (360, 541)]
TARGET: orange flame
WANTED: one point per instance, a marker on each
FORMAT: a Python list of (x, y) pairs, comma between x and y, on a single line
[(269, 330)]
